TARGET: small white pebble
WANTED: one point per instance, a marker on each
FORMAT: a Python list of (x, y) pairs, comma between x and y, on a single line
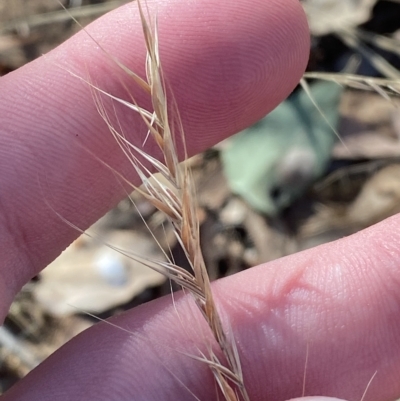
[(111, 268)]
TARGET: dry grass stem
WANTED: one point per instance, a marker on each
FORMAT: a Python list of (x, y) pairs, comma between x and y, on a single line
[(178, 205), (384, 86), (354, 41), (33, 21)]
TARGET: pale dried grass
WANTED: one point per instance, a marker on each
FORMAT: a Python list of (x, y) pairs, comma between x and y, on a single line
[(178, 205)]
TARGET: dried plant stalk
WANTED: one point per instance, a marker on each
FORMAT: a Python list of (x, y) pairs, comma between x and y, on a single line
[(179, 206), (384, 86)]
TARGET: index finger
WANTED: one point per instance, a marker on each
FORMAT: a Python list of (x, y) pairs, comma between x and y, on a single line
[(228, 64)]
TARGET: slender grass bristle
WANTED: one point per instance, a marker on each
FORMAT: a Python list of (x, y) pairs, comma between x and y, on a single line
[(177, 202)]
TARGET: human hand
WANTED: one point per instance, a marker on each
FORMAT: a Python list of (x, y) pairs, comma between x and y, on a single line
[(228, 64)]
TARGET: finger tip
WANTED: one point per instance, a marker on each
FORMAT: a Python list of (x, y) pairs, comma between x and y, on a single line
[(227, 64), (254, 58)]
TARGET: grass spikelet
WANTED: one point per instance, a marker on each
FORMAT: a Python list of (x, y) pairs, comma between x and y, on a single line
[(178, 205)]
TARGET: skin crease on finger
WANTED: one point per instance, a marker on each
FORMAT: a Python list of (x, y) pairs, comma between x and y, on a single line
[(339, 303), (228, 64)]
